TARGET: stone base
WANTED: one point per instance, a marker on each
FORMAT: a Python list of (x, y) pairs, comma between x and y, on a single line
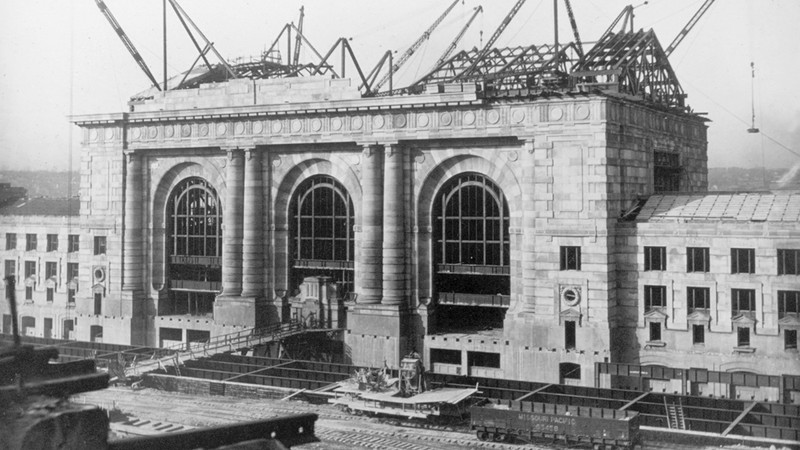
[(377, 334), (236, 311)]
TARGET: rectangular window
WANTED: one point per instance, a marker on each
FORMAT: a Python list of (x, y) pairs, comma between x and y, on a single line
[(697, 259), (743, 336), (570, 258), (98, 303), (655, 297), (655, 258), (72, 271), (30, 242), (569, 334), (99, 245), (666, 172), (30, 268), (790, 339), (73, 243), (50, 270), (50, 295), (655, 331), (11, 241), (743, 260), (10, 267), (788, 304), (28, 293), (698, 298), (743, 301), (52, 242), (71, 296), (698, 334), (788, 262)]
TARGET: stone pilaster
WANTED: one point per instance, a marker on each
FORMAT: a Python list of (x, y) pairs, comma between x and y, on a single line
[(232, 225), (132, 246), (253, 235), (394, 246), (528, 288), (371, 256)]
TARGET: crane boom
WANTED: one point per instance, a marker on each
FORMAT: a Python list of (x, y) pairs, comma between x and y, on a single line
[(692, 22), (578, 43), (486, 48), (127, 42), (415, 46), (458, 37), (299, 39)]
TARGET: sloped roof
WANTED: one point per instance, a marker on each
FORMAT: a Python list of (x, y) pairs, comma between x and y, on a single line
[(42, 206), (742, 207)]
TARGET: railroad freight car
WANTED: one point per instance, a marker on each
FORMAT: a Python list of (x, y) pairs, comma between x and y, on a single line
[(504, 420)]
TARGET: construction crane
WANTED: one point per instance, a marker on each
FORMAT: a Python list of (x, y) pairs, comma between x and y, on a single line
[(415, 46), (488, 47), (753, 128), (692, 22), (449, 50), (127, 42), (574, 25), (299, 39)]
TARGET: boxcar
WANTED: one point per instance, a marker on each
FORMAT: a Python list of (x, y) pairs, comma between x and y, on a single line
[(503, 420)]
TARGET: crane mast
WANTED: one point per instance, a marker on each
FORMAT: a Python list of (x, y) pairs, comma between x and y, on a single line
[(415, 46), (458, 37), (299, 39), (486, 48), (574, 25), (692, 22)]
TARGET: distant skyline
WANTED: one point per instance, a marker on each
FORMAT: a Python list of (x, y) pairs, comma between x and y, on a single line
[(61, 57)]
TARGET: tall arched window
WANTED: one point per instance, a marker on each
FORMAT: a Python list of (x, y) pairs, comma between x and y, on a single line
[(194, 248), (471, 252), (321, 226)]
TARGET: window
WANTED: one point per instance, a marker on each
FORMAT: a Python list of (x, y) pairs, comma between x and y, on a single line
[(788, 304), (99, 245), (28, 293), (655, 297), (50, 295), (790, 339), (52, 242), (698, 298), (655, 331), (30, 268), (743, 301), (71, 297), (743, 260), (570, 258), (73, 243), (698, 334), (50, 270), (655, 258), (569, 334), (666, 172), (30, 242), (72, 271), (742, 336), (697, 259), (11, 241), (788, 262), (98, 303), (10, 267)]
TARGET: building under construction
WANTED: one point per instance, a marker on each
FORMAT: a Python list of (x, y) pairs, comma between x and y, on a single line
[(520, 213)]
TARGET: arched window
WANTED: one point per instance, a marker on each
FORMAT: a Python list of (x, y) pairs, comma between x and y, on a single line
[(321, 226), (471, 252), (194, 248)]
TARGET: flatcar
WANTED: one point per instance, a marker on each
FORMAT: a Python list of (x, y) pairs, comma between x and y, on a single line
[(505, 420)]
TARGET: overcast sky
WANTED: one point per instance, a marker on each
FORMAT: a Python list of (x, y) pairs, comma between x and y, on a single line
[(61, 57)]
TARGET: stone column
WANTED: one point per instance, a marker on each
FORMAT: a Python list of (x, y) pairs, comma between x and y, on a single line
[(132, 246), (232, 225), (253, 233), (528, 288), (394, 245), (371, 260)]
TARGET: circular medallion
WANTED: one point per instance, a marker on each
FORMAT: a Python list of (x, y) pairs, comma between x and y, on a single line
[(221, 129), (277, 126), (136, 133), (493, 117), (296, 125), (186, 130), (316, 124), (571, 296), (152, 132), (582, 112), (276, 162), (469, 118), (357, 123), (336, 124), (556, 113), (512, 156), (258, 127), (518, 115), (355, 160), (238, 128), (423, 120), (93, 135), (169, 131), (204, 129), (378, 122), (109, 134), (399, 120), (445, 119), (419, 159)]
